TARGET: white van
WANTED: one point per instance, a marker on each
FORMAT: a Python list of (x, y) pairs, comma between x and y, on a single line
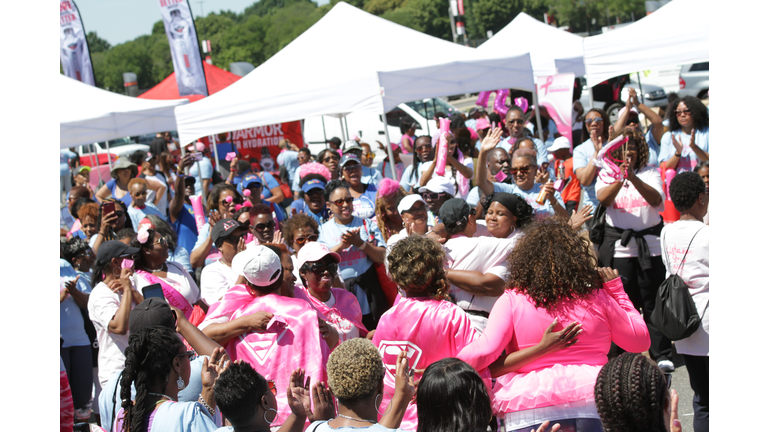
[(370, 127)]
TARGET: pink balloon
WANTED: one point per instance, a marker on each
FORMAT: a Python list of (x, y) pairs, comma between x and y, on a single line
[(500, 103), (522, 103), (482, 99)]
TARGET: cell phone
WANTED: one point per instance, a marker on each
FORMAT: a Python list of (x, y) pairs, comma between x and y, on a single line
[(127, 263), (197, 156), (500, 176), (230, 156), (107, 208), (154, 290)]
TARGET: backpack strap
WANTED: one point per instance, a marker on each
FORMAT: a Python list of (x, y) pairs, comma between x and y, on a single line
[(682, 261)]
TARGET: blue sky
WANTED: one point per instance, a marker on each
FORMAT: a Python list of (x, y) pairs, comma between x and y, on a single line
[(118, 21)]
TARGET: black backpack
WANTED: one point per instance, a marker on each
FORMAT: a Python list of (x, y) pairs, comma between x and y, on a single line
[(675, 314)]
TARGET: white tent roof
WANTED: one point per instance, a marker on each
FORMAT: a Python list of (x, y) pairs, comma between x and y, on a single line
[(350, 61), (545, 43), (89, 114), (676, 34)]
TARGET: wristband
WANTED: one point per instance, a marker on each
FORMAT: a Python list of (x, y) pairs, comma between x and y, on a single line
[(678, 154)]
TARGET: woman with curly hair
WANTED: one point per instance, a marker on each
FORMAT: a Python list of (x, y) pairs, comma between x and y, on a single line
[(358, 379), (632, 226), (157, 364), (298, 230), (596, 124), (552, 277), (387, 217), (687, 141), (423, 322), (632, 395)]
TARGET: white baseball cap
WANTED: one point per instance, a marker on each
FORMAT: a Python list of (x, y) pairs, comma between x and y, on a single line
[(439, 184), (259, 264), (559, 144), (408, 202)]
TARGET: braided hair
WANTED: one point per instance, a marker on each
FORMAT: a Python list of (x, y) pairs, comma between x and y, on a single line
[(148, 360), (630, 392)]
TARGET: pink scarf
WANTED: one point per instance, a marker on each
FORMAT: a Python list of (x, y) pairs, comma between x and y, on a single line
[(172, 296), (343, 315), (292, 339)]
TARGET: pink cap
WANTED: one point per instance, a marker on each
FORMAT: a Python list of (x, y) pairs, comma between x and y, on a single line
[(199, 146), (633, 110), (314, 251), (482, 123)]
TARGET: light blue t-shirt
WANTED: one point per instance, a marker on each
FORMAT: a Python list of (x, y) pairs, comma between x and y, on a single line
[(295, 182), (541, 149), (301, 207), (181, 257), (541, 210), (364, 206), (290, 160), (71, 325), (474, 196), (65, 155), (688, 161), (190, 393), (407, 182), (206, 169), (137, 215), (653, 149), (581, 157), (370, 176)]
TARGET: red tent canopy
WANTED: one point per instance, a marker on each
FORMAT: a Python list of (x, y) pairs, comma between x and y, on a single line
[(216, 78)]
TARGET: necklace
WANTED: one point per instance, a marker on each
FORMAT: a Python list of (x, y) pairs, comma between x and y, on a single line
[(353, 418), (163, 396), (155, 270)]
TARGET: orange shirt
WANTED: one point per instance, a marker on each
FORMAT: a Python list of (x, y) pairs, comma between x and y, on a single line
[(573, 190)]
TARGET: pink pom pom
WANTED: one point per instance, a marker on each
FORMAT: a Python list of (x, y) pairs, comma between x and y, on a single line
[(228, 199), (387, 187), (238, 207), (247, 192), (315, 168), (247, 204)]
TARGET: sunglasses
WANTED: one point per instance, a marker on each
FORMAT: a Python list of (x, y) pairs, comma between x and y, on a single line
[(516, 121), (189, 354), (633, 119), (433, 196), (339, 202), (350, 168), (234, 240), (301, 240), (272, 387), (521, 170), (320, 268), (264, 226), (681, 112), (425, 146), (119, 213), (331, 158), (594, 120), (161, 241), (371, 155)]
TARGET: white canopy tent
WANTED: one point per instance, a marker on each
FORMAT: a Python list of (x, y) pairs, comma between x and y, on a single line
[(546, 44), (676, 34), (350, 61), (89, 114)]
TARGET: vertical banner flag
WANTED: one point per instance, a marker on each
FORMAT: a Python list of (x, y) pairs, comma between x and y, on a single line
[(556, 95), (182, 38), (75, 56)]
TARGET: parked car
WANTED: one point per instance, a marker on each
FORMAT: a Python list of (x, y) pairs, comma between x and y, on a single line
[(612, 99), (694, 80), (117, 148)]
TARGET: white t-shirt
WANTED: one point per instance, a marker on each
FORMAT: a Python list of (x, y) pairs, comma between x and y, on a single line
[(102, 307), (631, 211), (215, 279), (178, 278), (449, 174), (694, 271)]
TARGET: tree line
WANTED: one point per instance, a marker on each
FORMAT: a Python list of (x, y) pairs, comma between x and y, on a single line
[(267, 26)]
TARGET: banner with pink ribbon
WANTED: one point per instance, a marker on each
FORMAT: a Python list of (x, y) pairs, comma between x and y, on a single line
[(556, 95)]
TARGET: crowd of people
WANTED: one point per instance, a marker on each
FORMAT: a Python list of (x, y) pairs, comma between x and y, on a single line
[(515, 290)]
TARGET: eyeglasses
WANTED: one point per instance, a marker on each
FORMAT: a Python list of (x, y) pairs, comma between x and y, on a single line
[(331, 158), (668, 378), (432, 196), (594, 120), (161, 241), (522, 170), (272, 387), (119, 213), (425, 146), (681, 112), (189, 354), (320, 268), (234, 240), (301, 240), (264, 226), (370, 155), (339, 202), (350, 168), (516, 121), (315, 192)]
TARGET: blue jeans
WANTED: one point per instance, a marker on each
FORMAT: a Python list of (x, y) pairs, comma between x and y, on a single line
[(569, 425)]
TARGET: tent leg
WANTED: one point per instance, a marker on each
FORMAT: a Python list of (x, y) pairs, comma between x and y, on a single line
[(216, 155), (109, 157), (325, 137), (642, 97), (202, 189), (591, 98), (538, 114), (389, 147), (95, 164), (341, 125)]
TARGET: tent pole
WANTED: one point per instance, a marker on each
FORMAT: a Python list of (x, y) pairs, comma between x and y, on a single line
[(202, 189), (389, 146), (642, 96), (538, 114), (109, 157), (591, 98), (325, 137), (96, 163), (341, 125), (216, 154), (346, 127)]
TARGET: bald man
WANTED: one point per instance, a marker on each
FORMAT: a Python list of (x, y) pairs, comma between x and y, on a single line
[(498, 160)]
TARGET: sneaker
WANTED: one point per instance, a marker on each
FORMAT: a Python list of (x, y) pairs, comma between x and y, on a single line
[(666, 366)]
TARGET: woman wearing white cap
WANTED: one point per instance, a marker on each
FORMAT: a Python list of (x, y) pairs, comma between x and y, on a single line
[(318, 266)]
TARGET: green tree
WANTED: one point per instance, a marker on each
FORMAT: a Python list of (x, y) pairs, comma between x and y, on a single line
[(96, 44)]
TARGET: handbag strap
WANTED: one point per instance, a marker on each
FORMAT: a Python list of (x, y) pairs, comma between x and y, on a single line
[(682, 261)]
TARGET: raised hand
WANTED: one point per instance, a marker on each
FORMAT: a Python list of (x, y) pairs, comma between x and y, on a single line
[(214, 367), (404, 384), (674, 423), (491, 140), (277, 237), (579, 217), (676, 143), (240, 245), (298, 397), (323, 399), (542, 176), (607, 274)]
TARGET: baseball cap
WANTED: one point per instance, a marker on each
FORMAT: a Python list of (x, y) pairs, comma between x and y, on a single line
[(453, 211), (82, 168), (259, 265), (151, 312), (559, 144), (439, 184), (351, 145), (335, 140), (314, 251), (224, 228), (408, 202), (198, 146), (249, 180), (189, 181), (312, 184), (113, 249), (482, 123), (632, 110), (349, 157)]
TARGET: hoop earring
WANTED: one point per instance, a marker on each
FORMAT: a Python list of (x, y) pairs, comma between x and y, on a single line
[(273, 418), (376, 405), (117, 275)]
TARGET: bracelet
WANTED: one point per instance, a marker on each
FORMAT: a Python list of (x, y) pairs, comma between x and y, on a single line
[(202, 401), (678, 154)]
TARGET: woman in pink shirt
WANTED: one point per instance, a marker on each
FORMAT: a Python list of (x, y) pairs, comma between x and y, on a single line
[(553, 277)]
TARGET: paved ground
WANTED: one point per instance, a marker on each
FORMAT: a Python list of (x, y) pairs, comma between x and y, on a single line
[(682, 384)]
